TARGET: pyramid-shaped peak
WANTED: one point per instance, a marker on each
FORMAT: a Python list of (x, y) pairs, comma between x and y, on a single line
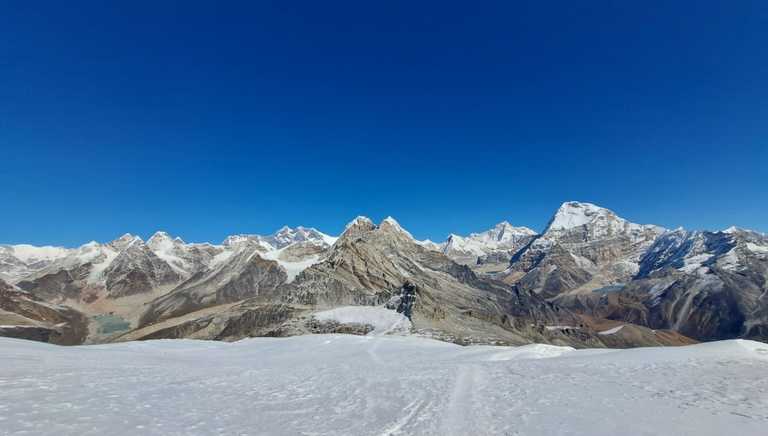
[(163, 240), (159, 236), (595, 222), (574, 214), (126, 240), (360, 220), (358, 226), (390, 223)]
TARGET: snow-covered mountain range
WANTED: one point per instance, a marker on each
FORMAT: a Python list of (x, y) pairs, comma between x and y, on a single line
[(19, 262), (506, 284)]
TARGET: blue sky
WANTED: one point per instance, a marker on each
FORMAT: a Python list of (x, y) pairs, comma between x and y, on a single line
[(206, 120)]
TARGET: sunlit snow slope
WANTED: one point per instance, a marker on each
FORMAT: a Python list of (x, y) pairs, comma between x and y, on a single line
[(380, 385)]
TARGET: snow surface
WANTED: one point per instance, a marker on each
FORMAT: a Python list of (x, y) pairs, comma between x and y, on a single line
[(292, 269), (756, 248), (383, 320), (612, 331), (380, 385), (693, 263)]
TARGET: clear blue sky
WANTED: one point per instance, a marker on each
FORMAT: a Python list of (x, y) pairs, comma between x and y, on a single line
[(205, 120)]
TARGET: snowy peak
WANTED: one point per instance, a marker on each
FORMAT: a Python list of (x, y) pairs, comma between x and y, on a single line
[(362, 225), (503, 232), (162, 241), (357, 227), (235, 240), (390, 224), (389, 221), (588, 222), (360, 220), (124, 241), (287, 236), (282, 238), (499, 242), (574, 214)]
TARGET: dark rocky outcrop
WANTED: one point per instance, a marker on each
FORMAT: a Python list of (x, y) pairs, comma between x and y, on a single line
[(23, 315)]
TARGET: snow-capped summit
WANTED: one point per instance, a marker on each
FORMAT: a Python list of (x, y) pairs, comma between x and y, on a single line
[(589, 222), (235, 240), (357, 226), (502, 233), (163, 241), (360, 220), (499, 242), (287, 236), (573, 214), (282, 238), (740, 231), (584, 247), (390, 223), (124, 241)]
